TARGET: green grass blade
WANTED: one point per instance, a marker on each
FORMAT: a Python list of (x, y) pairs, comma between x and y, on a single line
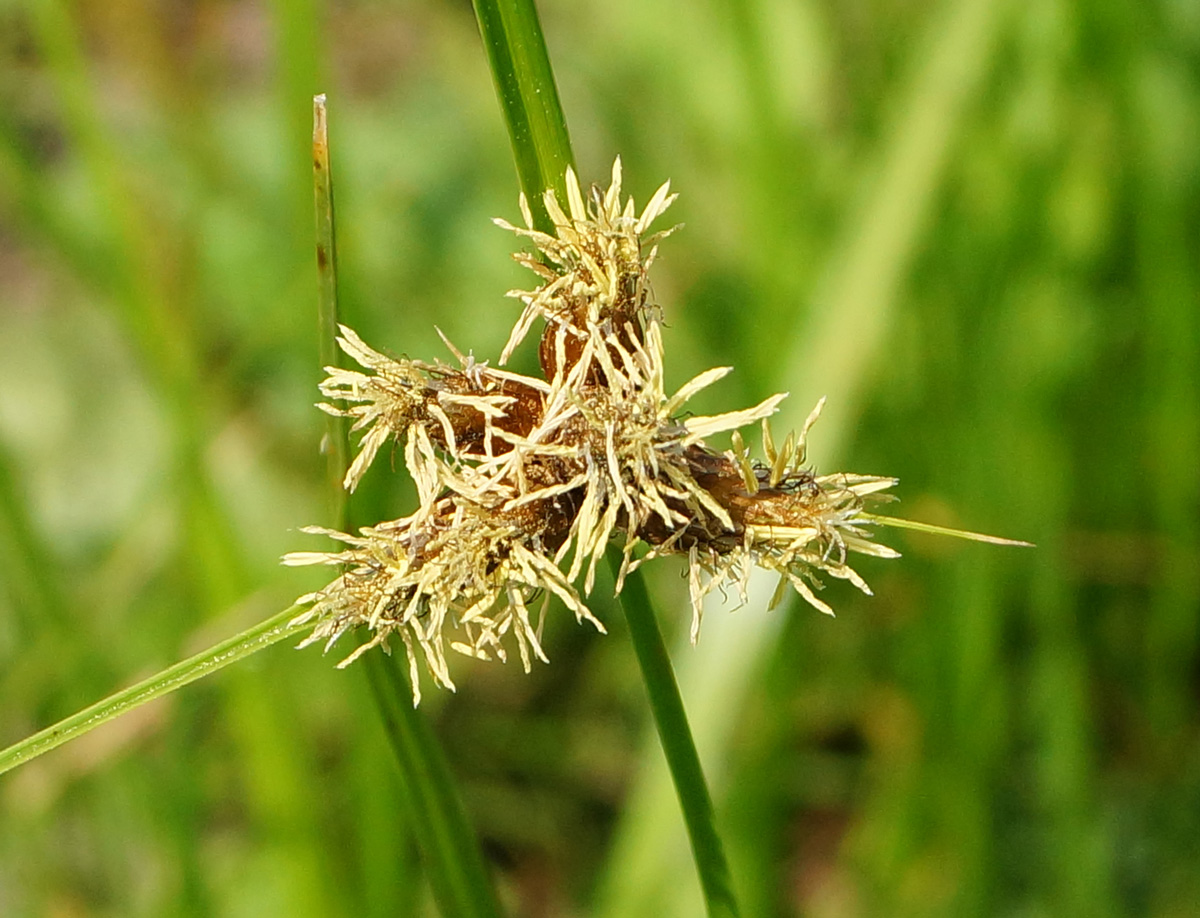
[(274, 629), (537, 127), (450, 852), (675, 734), (453, 861), (857, 297), (866, 269), (337, 449), (512, 36)]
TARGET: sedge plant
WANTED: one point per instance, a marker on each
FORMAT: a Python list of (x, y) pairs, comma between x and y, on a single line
[(526, 482)]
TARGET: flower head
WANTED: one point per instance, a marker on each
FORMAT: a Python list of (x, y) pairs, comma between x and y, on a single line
[(523, 482)]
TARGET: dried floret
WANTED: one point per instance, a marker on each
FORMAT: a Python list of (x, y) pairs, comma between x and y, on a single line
[(460, 575)]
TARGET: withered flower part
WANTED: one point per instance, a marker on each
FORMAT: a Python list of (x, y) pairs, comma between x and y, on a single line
[(456, 573), (458, 407), (523, 482)]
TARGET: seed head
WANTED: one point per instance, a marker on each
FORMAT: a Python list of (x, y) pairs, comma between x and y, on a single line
[(523, 482)]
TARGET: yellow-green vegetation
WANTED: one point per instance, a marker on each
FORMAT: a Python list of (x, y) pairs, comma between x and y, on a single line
[(971, 225)]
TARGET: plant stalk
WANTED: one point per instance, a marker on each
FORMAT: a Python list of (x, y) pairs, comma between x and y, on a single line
[(675, 735), (450, 851), (276, 628), (524, 79), (541, 145)]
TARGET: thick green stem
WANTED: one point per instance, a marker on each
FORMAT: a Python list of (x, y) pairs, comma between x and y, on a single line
[(542, 149)]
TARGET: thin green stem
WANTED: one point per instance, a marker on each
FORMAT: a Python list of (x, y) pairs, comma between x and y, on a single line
[(337, 449), (450, 852), (516, 49), (541, 144), (670, 719), (900, 523), (276, 628), (454, 863)]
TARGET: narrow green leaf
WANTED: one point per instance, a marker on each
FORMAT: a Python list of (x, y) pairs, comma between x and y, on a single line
[(336, 447), (450, 851), (276, 628), (675, 734), (512, 36), (900, 523), (454, 864)]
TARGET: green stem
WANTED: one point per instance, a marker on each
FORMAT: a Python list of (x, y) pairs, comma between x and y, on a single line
[(666, 704), (542, 149), (454, 863), (337, 449), (264, 634), (450, 852), (516, 49)]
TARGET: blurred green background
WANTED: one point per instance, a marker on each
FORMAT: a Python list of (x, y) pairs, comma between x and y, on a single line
[(974, 225)]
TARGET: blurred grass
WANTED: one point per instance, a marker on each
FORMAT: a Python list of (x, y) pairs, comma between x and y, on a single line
[(992, 733)]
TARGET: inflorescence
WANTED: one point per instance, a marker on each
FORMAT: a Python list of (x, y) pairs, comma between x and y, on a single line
[(523, 482)]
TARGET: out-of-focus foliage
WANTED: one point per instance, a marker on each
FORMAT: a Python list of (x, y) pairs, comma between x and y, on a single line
[(973, 224)]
